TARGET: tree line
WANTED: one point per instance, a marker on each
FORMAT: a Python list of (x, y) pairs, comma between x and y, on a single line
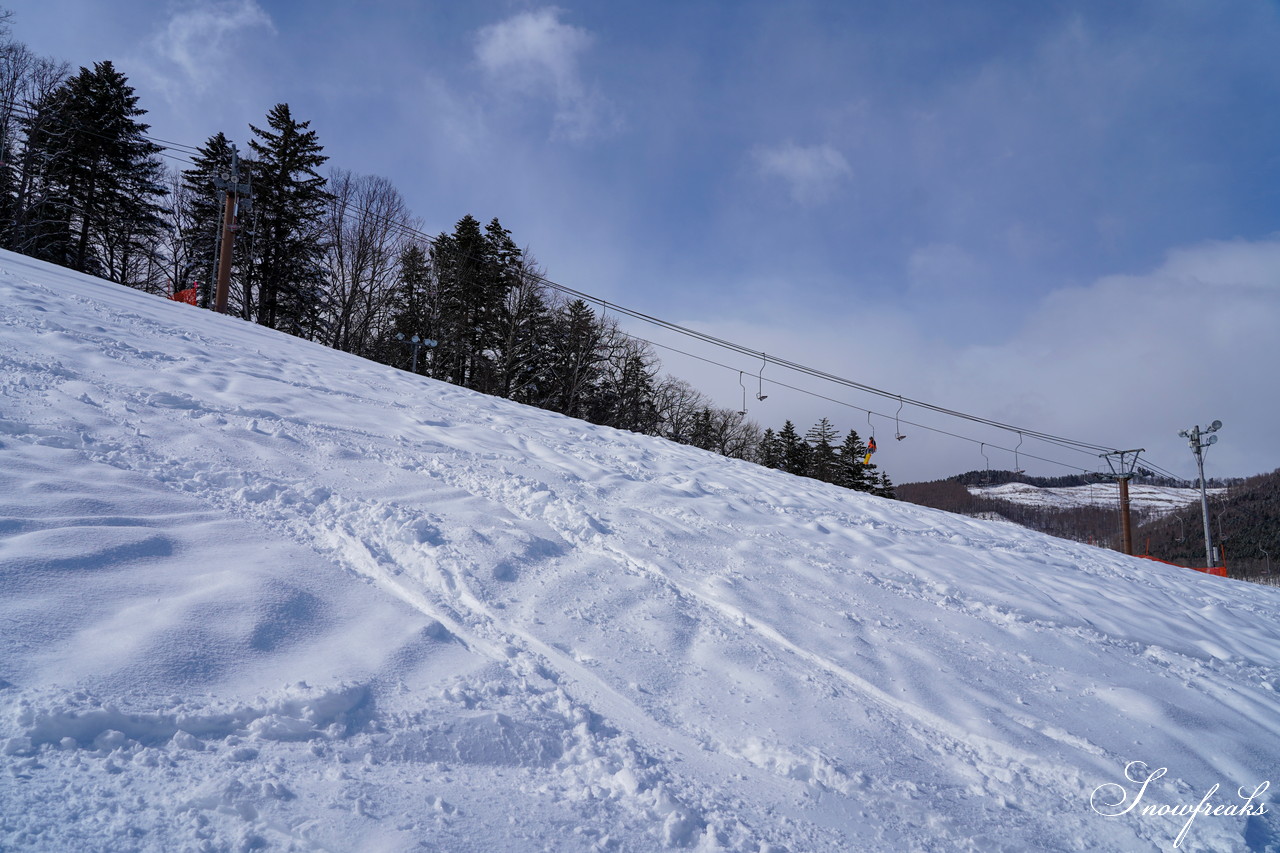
[(338, 257), (1244, 523), (1096, 525)]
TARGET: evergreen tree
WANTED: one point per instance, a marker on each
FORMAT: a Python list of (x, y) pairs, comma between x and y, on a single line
[(289, 209), (823, 458), (884, 487), (470, 295), (578, 359), (702, 434), (412, 311), (514, 318), (795, 452), (94, 178), (769, 453), (632, 393), (525, 356), (851, 472)]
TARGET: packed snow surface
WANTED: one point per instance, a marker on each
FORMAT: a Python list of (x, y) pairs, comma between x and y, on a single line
[(258, 594), (1161, 500)]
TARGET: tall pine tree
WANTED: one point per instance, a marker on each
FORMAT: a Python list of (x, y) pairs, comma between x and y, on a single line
[(288, 220), (469, 299), (95, 180), (851, 472), (769, 453), (412, 311), (822, 458), (795, 451)]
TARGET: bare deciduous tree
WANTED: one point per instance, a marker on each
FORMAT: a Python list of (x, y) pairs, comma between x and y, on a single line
[(368, 227)]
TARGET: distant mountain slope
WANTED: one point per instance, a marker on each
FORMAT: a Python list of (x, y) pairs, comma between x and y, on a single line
[(1089, 519), (257, 594), (1159, 500), (1244, 519), (1167, 519)]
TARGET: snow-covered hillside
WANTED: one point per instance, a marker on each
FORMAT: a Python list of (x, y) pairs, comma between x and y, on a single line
[(257, 594), (1159, 499)]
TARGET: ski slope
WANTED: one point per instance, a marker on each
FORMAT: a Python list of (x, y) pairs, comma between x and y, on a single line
[(258, 594), (1162, 500)]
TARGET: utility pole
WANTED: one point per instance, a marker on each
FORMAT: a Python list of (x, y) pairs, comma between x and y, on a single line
[(1198, 441), (1123, 463), (229, 183)]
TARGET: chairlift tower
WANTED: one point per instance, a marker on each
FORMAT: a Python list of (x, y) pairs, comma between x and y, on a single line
[(1123, 464), (1199, 441), (238, 198)]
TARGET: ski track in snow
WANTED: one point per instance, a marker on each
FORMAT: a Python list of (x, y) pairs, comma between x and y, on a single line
[(623, 643)]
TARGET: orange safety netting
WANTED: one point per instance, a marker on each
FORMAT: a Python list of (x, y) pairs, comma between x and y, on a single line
[(1220, 571)]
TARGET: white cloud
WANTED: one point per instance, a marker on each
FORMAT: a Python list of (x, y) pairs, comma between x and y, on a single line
[(199, 43), (810, 172), (535, 55), (1132, 359)]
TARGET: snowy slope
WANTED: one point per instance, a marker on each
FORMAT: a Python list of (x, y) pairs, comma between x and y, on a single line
[(257, 594), (1159, 499)]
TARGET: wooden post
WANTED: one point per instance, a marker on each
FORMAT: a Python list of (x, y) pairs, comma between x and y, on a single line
[(224, 254), (1126, 531)]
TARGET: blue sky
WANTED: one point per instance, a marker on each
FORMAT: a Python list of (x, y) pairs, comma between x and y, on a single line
[(1060, 215)]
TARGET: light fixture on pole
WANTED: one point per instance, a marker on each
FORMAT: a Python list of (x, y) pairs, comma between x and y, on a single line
[(417, 343), (1199, 441)]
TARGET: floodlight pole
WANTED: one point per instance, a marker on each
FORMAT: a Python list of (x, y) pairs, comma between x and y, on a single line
[(1194, 436), (417, 343)]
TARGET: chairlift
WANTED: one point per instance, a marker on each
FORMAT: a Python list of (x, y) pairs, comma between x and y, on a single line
[(1017, 468), (897, 424), (760, 395), (743, 411), (986, 471)]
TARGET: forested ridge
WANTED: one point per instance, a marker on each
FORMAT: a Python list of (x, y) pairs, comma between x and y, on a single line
[(1244, 522), (337, 257), (1097, 525)]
